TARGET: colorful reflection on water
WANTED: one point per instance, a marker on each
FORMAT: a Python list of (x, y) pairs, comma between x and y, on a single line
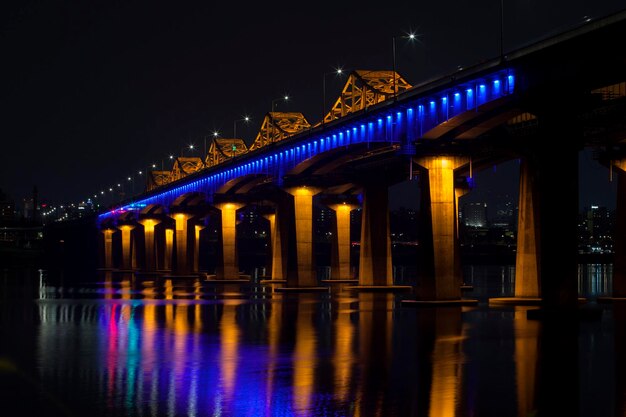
[(126, 347)]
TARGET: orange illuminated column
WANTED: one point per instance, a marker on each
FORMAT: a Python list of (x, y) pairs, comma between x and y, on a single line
[(169, 249), (108, 247), (228, 265), (196, 247), (149, 243), (278, 264), (619, 264), (375, 252), (526, 262), (184, 252), (126, 263), (304, 274), (340, 264), (444, 281)]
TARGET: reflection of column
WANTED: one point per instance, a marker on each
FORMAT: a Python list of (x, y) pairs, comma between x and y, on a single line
[(619, 316), (304, 359), (444, 281), (375, 253), (228, 266), (273, 341), (126, 259), (149, 243), (107, 235), (526, 263), (183, 264), (619, 263), (343, 358), (558, 366), (229, 352), (340, 259), (304, 274), (375, 326), (447, 360), (526, 333)]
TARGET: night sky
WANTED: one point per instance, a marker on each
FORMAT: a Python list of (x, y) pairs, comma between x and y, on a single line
[(93, 92)]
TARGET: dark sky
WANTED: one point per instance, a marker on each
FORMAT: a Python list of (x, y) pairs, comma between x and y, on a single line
[(92, 92)]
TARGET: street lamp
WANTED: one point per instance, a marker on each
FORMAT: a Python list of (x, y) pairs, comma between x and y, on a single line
[(410, 37), (244, 119), (215, 135), (190, 147), (337, 72), (285, 97)]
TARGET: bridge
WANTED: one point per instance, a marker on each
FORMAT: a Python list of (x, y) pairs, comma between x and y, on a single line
[(540, 104)]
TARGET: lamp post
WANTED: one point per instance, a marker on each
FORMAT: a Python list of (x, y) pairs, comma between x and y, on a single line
[(215, 135), (411, 37), (190, 147), (285, 97), (338, 71), (244, 119)]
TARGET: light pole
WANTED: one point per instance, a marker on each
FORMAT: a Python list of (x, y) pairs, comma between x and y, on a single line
[(190, 147), (215, 135), (337, 72), (411, 37), (286, 98), (244, 119)]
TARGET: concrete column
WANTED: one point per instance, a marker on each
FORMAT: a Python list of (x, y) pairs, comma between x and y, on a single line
[(127, 251), (184, 245), (228, 267), (375, 266), (149, 244), (527, 262), (443, 282), (619, 264), (196, 247), (556, 174), (168, 252), (304, 273), (340, 257), (278, 264), (107, 235)]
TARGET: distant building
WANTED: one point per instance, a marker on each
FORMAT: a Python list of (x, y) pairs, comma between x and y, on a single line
[(475, 214), (7, 212), (595, 228)]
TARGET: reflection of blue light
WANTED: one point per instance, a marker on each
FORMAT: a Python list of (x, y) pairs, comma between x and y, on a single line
[(511, 82)]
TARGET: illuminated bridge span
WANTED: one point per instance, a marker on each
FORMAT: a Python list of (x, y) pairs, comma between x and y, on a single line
[(540, 105)]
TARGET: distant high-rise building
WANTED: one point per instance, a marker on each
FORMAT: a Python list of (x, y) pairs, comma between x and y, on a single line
[(475, 215)]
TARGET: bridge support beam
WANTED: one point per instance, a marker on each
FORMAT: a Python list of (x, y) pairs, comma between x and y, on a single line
[(184, 245), (228, 265), (527, 262), (278, 265), (340, 256), (126, 260), (301, 273), (150, 260), (196, 247), (168, 248), (555, 171), (107, 247), (442, 281), (375, 268), (619, 264)]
